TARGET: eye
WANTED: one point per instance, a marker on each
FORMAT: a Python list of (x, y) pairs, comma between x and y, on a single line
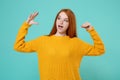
[(58, 18), (66, 20)]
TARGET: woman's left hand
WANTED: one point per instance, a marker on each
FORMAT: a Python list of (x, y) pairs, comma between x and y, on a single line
[(87, 26)]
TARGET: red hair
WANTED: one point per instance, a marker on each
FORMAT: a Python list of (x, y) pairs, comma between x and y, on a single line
[(71, 31)]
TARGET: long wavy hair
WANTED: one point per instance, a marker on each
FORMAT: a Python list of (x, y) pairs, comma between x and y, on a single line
[(71, 31)]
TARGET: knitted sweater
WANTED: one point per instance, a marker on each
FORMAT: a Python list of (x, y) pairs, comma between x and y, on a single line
[(59, 57)]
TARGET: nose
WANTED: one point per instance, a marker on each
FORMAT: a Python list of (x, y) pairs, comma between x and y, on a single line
[(61, 21)]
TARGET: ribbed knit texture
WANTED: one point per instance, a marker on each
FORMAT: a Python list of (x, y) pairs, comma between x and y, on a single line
[(59, 57)]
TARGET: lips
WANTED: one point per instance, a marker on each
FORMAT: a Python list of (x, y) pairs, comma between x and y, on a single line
[(60, 26)]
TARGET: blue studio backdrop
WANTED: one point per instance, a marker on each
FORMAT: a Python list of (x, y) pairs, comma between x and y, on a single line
[(104, 15)]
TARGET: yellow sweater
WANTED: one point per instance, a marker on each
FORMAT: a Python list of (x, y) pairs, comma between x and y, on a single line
[(59, 57)]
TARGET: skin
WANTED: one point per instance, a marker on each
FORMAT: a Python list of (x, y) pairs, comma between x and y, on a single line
[(62, 20), (30, 19)]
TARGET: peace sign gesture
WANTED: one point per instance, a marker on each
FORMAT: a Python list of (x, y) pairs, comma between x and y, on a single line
[(30, 19)]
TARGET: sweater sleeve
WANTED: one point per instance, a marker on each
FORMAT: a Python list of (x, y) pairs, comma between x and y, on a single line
[(92, 50), (20, 44)]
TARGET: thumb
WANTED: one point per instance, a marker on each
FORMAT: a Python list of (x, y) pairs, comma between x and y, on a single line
[(32, 22), (36, 23)]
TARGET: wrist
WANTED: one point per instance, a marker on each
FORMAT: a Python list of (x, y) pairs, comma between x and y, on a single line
[(26, 22), (88, 27)]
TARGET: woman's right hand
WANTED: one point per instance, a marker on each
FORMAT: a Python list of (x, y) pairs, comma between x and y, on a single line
[(30, 19)]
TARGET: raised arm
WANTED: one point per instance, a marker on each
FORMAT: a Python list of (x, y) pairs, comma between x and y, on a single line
[(20, 44), (97, 48)]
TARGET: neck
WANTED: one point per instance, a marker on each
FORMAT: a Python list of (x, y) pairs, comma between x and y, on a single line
[(60, 34)]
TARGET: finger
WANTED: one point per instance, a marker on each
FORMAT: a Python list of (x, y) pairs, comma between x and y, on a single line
[(35, 23), (35, 14), (29, 18), (83, 25), (86, 24), (32, 22), (30, 15)]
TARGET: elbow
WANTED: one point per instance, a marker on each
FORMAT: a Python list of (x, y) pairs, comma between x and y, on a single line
[(16, 48), (97, 51), (101, 51), (104, 50)]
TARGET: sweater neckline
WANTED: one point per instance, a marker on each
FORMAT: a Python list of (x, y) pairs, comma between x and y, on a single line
[(66, 36)]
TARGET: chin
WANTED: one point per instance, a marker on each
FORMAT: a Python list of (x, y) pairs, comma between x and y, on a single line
[(61, 32)]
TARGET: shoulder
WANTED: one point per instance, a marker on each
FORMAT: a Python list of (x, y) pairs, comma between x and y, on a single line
[(76, 39), (43, 37)]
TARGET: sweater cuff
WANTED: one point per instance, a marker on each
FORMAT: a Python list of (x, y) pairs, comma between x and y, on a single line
[(26, 24)]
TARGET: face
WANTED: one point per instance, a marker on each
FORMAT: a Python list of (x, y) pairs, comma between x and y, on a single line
[(62, 22)]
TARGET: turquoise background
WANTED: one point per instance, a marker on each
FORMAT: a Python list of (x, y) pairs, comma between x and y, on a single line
[(104, 15)]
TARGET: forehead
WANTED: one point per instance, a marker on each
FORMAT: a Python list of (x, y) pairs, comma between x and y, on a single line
[(63, 14)]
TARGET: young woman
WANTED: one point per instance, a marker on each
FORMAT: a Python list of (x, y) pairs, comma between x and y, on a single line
[(59, 53)]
